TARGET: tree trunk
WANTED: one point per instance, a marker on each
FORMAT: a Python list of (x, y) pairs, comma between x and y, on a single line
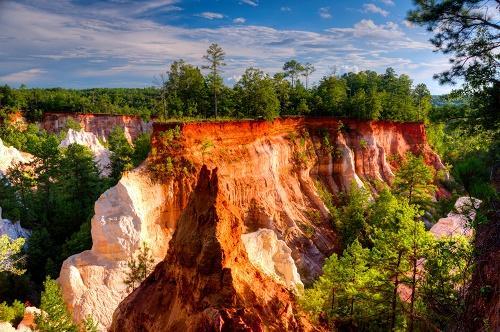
[(395, 294), (414, 278), (412, 301)]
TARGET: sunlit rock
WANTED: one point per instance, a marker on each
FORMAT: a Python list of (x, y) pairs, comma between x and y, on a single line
[(90, 140)]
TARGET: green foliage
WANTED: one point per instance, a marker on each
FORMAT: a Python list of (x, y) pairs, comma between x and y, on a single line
[(361, 289), (142, 147), (10, 257), (54, 317), (215, 57), (13, 313), (345, 291), (121, 153), (352, 223), (327, 199), (56, 191), (206, 147), (414, 180), (72, 124), (257, 97), (88, 325), (448, 268), (139, 267), (36, 101), (184, 91)]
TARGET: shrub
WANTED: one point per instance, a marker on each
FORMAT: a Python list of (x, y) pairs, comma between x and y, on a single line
[(139, 267), (13, 313)]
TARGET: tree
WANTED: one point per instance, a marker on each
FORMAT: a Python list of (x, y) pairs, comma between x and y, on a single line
[(332, 92), (308, 70), (185, 90), (10, 257), (256, 94), (215, 57), (282, 88), (414, 180), (343, 291), (293, 69), (447, 272), (121, 153), (353, 224), (54, 316), (469, 31), (139, 267)]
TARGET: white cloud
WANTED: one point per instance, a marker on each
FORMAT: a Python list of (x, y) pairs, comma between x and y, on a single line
[(239, 20), (372, 8), (408, 24), (387, 2), (211, 15), (128, 50), (23, 76), (324, 12), (286, 9), (253, 3)]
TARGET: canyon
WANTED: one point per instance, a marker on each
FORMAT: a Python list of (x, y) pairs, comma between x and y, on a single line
[(100, 125), (252, 189)]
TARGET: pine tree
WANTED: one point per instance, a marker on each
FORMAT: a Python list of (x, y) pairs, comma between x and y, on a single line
[(215, 57), (139, 267), (414, 180), (54, 316), (10, 258)]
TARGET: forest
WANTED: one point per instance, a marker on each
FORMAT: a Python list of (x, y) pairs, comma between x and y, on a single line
[(186, 93), (385, 245)]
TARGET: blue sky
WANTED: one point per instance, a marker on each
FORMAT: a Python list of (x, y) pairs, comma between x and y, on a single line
[(126, 43)]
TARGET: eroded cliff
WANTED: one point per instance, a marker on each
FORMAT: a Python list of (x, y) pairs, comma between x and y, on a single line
[(206, 282), (268, 175)]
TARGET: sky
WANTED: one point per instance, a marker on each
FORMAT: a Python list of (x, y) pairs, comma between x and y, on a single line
[(127, 43)]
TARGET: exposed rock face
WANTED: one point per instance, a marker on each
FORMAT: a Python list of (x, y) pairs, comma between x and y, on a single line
[(10, 156), (101, 154), (457, 222), (273, 257), (206, 282), (100, 125), (270, 169), (267, 171), (132, 212), (12, 229)]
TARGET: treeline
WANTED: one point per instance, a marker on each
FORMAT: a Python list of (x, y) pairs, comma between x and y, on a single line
[(36, 101), (183, 91)]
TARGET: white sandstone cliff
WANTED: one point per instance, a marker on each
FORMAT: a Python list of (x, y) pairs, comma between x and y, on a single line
[(458, 221), (273, 257), (10, 156), (12, 229), (101, 154), (126, 215)]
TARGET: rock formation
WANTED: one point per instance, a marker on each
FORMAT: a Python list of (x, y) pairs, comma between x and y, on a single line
[(206, 282), (458, 221), (14, 230), (101, 154), (100, 125), (273, 257), (131, 212), (10, 156), (268, 171)]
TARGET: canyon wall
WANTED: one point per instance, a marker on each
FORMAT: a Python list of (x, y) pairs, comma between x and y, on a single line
[(268, 174), (99, 124), (206, 282)]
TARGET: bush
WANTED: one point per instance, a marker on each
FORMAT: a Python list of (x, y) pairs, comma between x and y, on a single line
[(13, 313)]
